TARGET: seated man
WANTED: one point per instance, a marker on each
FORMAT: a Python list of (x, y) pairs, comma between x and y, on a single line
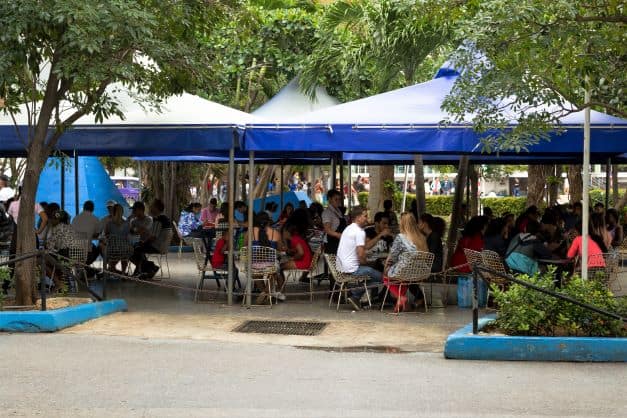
[(88, 227), (378, 240), (141, 224), (351, 254), (161, 229)]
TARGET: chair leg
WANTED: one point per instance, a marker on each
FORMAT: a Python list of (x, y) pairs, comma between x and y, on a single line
[(367, 294), (167, 265), (198, 286), (424, 295), (310, 286), (385, 297), (332, 293), (339, 296)]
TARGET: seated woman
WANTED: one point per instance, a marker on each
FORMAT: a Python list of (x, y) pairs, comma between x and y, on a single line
[(263, 234), (190, 225), (219, 260), (409, 239), (596, 244), (59, 239), (287, 211), (496, 236), (209, 214), (472, 239), (613, 227), (116, 233), (433, 228), (298, 251), (525, 249)]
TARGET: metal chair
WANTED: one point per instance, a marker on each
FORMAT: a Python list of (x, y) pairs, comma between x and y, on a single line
[(264, 266), (204, 265), (493, 261), (473, 257), (343, 280), (182, 240), (296, 274), (164, 247), (609, 273), (117, 250), (78, 250), (415, 269)]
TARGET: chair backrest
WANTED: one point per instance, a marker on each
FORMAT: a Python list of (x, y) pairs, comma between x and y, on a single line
[(331, 259), (473, 257), (609, 273), (493, 261), (78, 249), (415, 265), (264, 259), (178, 231), (118, 248), (164, 245), (199, 253), (314, 261)]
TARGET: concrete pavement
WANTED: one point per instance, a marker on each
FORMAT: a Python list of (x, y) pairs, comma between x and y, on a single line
[(59, 375)]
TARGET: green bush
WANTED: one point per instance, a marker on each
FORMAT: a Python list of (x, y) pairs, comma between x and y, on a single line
[(502, 205), (523, 311), (363, 198), (4, 275), (439, 205)]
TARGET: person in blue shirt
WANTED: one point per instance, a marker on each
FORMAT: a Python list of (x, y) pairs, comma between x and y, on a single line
[(189, 223)]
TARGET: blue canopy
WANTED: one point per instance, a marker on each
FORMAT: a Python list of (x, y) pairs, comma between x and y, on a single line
[(409, 120), (93, 184), (183, 125)]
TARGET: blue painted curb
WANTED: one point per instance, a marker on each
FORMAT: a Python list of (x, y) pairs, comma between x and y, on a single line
[(463, 345), (54, 320)]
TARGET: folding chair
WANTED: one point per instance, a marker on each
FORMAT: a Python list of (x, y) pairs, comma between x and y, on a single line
[(264, 266), (415, 269), (296, 274), (344, 280), (204, 267), (164, 247)]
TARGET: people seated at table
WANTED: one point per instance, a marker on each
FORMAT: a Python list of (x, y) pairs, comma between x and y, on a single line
[(60, 239), (391, 215), (161, 230), (140, 223), (599, 208), (105, 219), (378, 239), (573, 217), (432, 227), (271, 208), (209, 214), (614, 227), (87, 226), (525, 249), (333, 221), (409, 239), (116, 232), (263, 233), (351, 254), (472, 239), (190, 225), (240, 213), (287, 211), (596, 243), (599, 228), (532, 213)]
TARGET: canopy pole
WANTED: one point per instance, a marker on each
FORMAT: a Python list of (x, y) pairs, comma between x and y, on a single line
[(281, 188), (333, 173), (405, 190), (76, 197), (586, 184), (340, 160), (608, 174), (62, 183), (231, 198), (249, 259), (350, 187)]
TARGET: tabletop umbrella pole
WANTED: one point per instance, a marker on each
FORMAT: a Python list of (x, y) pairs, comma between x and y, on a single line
[(404, 190), (586, 186), (231, 198), (76, 197), (249, 259)]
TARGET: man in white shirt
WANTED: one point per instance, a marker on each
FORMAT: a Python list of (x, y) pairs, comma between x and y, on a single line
[(5, 191), (351, 254), (88, 226)]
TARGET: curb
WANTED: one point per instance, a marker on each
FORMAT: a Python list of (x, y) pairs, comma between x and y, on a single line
[(463, 345), (57, 319)]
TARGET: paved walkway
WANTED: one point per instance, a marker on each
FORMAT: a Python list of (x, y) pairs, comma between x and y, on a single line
[(163, 312)]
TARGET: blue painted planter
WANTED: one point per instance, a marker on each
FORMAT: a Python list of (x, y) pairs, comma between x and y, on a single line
[(463, 345), (54, 320)]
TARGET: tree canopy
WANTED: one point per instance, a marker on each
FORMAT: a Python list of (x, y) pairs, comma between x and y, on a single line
[(539, 52)]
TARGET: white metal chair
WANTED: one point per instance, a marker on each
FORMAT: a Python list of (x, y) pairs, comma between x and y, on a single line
[(415, 269), (182, 240), (297, 274), (609, 273), (344, 280), (117, 249), (493, 261), (264, 266), (164, 247), (77, 253), (204, 267)]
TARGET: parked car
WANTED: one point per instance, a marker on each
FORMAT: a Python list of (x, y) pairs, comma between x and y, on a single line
[(128, 186)]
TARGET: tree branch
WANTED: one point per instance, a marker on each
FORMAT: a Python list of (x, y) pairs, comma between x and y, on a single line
[(606, 19)]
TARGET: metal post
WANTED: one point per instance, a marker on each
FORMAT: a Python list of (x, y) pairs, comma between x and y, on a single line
[(62, 183), (404, 190), (333, 173), (341, 163), (608, 174), (76, 199), (586, 185), (230, 264), (249, 260), (281, 188), (475, 302), (42, 279), (350, 187)]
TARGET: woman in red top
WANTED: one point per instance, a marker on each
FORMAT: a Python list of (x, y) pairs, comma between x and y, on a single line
[(472, 238), (288, 209)]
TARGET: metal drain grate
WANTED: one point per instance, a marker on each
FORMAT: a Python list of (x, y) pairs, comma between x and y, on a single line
[(282, 327)]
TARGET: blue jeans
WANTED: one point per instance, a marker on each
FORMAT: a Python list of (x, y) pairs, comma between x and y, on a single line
[(376, 277)]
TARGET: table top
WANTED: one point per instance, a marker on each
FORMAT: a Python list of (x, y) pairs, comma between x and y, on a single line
[(556, 260)]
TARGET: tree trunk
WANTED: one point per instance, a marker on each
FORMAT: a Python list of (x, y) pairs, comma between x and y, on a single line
[(419, 182), (474, 190), (261, 188), (378, 192), (25, 271), (458, 198), (536, 182), (575, 182)]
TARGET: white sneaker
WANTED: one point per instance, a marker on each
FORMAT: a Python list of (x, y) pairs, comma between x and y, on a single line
[(279, 296)]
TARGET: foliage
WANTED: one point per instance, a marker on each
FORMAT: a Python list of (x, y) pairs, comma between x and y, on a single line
[(598, 196), (503, 205), (4, 275), (436, 205), (523, 311), (499, 172), (526, 53)]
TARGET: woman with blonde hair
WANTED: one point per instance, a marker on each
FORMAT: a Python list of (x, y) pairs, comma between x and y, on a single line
[(409, 239)]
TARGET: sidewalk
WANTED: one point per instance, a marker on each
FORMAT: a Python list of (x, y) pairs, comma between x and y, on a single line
[(162, 312)]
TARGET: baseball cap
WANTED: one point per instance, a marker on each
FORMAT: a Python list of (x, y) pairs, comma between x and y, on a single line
[(4, 177), (111, 202)]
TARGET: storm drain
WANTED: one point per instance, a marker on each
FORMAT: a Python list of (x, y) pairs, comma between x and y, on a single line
[(282, 327)]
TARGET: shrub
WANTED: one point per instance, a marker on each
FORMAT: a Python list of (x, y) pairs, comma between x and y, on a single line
[(524, 311), (502, 205), (440, 205)]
